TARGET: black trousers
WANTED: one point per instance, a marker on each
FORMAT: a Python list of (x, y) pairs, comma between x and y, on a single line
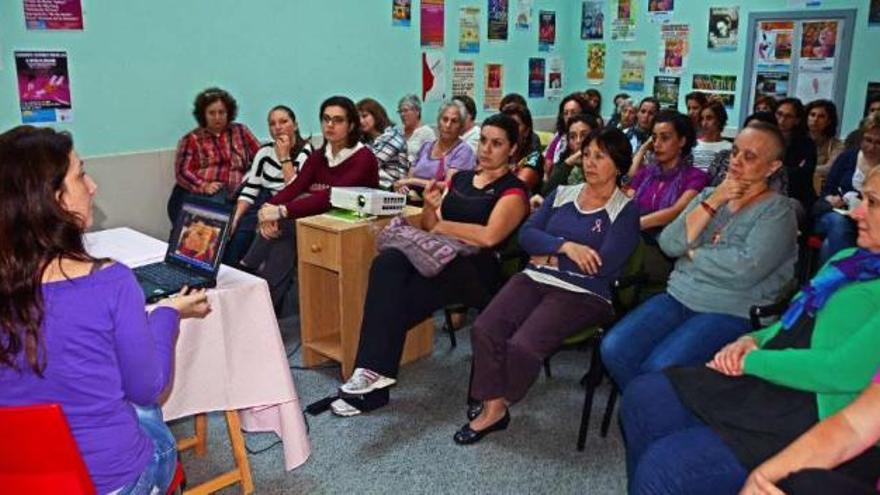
[(822, 482), (399, 297), (275, 261)]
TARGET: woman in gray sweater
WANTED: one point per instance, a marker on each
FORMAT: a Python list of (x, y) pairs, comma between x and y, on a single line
[(735, 247)]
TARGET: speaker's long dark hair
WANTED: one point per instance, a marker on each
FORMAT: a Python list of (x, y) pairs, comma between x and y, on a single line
[(35, 230)]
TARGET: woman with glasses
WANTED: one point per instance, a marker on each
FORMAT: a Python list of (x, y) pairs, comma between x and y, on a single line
[(343, 161), (213, 158), (417, 134)]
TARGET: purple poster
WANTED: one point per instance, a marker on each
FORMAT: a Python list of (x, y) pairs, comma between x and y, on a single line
[(43, 87), (53, 14)]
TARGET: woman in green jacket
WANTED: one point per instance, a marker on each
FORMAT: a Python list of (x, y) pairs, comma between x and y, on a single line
[(702, 429)]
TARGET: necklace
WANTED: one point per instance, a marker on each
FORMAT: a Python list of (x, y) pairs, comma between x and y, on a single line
[(717, 234)]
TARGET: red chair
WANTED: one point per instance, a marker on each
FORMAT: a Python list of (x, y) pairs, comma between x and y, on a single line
[(38, 454)]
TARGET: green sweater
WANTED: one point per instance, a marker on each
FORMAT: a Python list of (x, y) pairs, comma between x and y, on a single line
[(844, 351)]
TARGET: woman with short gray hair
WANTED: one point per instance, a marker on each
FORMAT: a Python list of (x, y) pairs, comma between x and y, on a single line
[(417, 134)]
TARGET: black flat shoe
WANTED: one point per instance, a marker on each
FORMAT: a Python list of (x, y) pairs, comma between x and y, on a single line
[(467, 435), (474, 410)]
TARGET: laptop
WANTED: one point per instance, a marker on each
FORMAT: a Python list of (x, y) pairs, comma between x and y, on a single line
[(195, 249)]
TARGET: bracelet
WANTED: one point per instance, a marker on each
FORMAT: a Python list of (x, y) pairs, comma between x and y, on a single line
[(706, 206), (286, 160)]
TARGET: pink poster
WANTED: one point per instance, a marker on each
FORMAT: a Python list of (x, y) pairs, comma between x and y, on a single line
[(43, 87), (53, 14), (432, 13)]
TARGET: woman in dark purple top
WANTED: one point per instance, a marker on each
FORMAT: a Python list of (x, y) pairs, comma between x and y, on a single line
[(73, 329)]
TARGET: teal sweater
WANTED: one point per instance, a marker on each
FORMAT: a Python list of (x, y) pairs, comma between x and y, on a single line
[(752, 263), (844, 351)]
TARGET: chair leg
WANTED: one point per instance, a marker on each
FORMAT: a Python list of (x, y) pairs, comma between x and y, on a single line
[(609, 410), (592, 380), (450, 329)]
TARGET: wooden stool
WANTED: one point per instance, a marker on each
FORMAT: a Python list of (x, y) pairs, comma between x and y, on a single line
[(242, 471)]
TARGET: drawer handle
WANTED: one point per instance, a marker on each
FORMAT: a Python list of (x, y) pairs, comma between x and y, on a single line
[(315, 248)]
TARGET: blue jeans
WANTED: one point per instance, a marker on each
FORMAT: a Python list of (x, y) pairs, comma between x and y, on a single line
[(662, 332), (160, 470), (668, 449), (839, 232)]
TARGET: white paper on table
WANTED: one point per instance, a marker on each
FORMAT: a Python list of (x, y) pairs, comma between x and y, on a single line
[(125, 245)]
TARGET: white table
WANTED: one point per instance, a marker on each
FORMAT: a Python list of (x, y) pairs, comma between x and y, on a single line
[(232, 360)]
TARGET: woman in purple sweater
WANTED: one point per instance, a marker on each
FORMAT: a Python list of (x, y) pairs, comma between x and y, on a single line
[(73, 329), (579, 241)]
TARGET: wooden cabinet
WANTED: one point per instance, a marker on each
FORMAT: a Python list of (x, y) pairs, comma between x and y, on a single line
[(333, 259)]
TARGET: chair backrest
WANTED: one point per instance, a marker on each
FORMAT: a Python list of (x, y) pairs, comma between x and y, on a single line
[(38, 454)]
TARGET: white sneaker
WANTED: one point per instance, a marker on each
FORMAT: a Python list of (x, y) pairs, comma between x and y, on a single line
[(364, 381), (344, 409)]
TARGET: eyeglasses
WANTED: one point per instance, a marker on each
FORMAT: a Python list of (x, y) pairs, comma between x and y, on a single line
[(335, 120), (402, 111)]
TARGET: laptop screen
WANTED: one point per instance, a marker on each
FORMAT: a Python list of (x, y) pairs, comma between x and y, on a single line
[(198, 239)]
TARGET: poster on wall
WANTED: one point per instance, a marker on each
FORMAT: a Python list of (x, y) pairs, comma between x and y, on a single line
[(719, 86), (660, 10), (874, 13), (818, 45), (497, 15), (493, 82), (812, 86), (401, 12), (53, 15), (43, 87), (463, 78), (632, 70), (623, 28), (433, 76), (536, 77), (773, 45), (723, 28), (595, 63), (592, 20), (666, 90), (432, 14), (546, 30), (524, 10), (469, 30), (676, 47), (773, 84), (554, 77)]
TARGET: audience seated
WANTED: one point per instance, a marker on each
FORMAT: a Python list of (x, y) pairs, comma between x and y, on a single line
[(342, 161), (696, 101), (594, 103), (579, 241), (800, 155), (385, 141), (512, 98), (410, 110), (765, 104), (701, 429), (212, 159), (735, 247), (843, 188), (667, 180), (275, 165), (718, 169), (822, 126), (854, 138), (527, 158), (626, 115), (73, 328), (470, 131), (569, 169), (482, 208), (641, 130), (713, 118), (438, 159), (614, 121), (570, 106)]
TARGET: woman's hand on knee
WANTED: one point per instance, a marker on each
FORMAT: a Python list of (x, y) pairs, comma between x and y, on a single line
[(729, 360)]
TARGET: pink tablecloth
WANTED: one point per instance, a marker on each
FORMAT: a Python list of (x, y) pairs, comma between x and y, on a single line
[(232, 359)]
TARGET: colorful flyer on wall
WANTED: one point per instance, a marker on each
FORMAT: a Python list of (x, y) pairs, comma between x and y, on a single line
[(497, 16), (666, 90), (524, 10), (595, 63), (554, 77), (43, 87), (432, 14), (433, 76), (717, 85), (632, 70), (623, 28), (463, 78), (818, 45), (676, 47), (812, 86), (401, 12), (536, 77), (53, 14), (874, 13), (592, 20), (469, 30), (660, 10), (546, 30), (723, 28), (773, 84), (773, 45), (493, 82)]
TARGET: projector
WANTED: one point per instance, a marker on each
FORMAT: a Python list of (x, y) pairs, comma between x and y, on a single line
[(367, 201)]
